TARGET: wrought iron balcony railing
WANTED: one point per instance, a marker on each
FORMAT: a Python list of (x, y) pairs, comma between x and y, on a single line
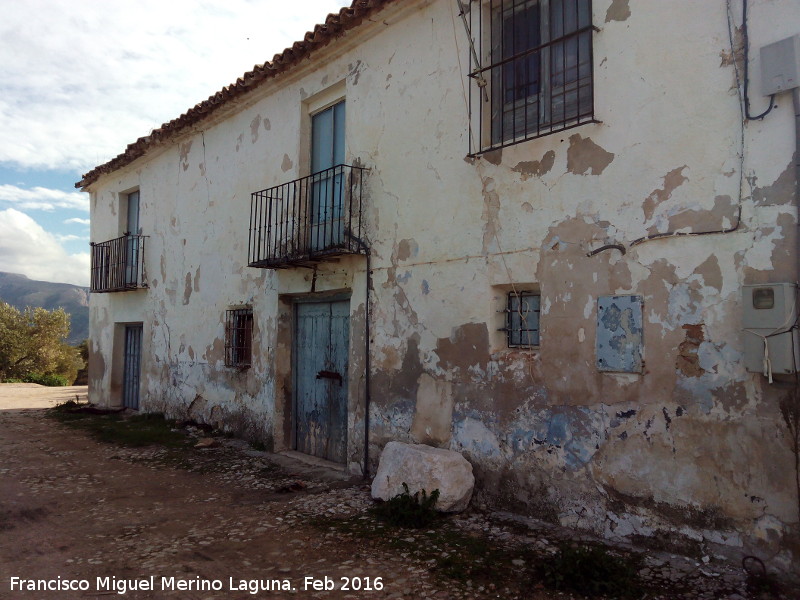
[(118, 264), (307, 220)]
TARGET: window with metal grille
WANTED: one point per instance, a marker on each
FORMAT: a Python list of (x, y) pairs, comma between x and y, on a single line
[(522, 319), (238, 337), (532, 68)]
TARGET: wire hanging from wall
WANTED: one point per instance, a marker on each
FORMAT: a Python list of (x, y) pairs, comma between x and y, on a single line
[(746, 61)]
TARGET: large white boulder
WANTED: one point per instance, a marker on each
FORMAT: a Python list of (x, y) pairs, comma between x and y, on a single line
[(424, 468)]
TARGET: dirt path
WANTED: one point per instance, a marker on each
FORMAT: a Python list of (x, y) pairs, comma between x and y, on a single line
[(78, 509), (75, 512)]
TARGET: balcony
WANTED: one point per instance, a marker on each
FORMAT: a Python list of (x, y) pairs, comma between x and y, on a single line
[(118, 264), (308, 220)]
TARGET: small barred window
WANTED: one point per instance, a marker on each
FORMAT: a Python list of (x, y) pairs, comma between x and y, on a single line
[(522, 319), (238, 337)]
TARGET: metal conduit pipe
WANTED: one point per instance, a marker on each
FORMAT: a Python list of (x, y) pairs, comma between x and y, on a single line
[(367, 344), (796, 100)]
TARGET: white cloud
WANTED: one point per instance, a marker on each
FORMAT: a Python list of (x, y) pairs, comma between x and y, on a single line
[(28, 249), (40, 198), (80, 80), (71, 238), (77, 221)]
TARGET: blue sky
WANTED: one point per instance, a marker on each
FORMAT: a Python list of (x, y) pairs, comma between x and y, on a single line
[(81, 79)]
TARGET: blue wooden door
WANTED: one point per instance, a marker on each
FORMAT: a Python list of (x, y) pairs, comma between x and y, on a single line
[(322, 335), (132, 367), (327, 182)]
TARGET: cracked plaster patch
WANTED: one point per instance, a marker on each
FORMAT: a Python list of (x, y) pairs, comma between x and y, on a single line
[(585, 157)]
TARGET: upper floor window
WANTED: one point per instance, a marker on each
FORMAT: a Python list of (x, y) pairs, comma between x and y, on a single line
[(328, 177), (118, 264), (132, 214), (133, 241), (320, 216), (536, 76)]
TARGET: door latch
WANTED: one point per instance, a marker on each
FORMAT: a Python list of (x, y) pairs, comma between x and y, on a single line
[(330, 375)]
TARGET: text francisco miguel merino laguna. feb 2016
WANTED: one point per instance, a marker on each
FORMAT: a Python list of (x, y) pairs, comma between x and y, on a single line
[(170, 584)]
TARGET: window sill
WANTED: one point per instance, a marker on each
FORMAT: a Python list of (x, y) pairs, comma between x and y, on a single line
[(521, 140)]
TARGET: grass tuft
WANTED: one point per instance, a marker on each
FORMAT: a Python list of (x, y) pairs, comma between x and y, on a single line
[(408, 510), (591, 570)]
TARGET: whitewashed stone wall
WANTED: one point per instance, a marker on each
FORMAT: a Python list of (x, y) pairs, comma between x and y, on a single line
[(694, 449)]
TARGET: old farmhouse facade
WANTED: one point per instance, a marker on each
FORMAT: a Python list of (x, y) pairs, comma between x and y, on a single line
[(552, 235)]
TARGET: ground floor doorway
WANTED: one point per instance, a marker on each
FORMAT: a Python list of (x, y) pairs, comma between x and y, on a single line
[(320, 367)]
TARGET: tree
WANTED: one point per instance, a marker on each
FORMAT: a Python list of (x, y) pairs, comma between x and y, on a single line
[(32, 341), (68, 363), (82, 377)]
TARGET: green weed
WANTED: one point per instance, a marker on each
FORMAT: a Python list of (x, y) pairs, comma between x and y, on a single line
[(591, 571), (407, 510)]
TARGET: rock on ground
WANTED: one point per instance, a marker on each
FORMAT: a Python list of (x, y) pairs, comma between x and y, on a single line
[(424, 468)]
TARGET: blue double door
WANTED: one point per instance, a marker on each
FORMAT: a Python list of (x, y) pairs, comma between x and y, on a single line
[(321, 346)]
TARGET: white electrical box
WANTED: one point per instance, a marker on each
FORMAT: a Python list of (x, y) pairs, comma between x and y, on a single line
[(780, 66), (768, 316)]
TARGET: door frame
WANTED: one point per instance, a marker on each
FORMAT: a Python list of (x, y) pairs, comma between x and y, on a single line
[(321, 298)]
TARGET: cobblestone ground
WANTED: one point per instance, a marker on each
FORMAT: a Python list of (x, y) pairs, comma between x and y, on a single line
[(73, 510)]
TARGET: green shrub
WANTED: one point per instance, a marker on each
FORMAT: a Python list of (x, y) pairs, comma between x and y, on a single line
[(406, 510), (32, 341), (48, 380), (592, 571), (13, 380)]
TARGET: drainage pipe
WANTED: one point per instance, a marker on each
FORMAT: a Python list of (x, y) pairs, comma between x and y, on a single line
[(367, 344), (796, 100)]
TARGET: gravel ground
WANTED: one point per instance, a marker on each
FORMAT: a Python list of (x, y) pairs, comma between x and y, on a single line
[(73, 510)]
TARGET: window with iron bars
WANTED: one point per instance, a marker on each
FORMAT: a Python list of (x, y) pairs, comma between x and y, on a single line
[(522, 319), (536, 75), (238, 337)]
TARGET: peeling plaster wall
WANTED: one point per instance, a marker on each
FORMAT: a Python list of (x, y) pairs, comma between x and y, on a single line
[(691, 450)]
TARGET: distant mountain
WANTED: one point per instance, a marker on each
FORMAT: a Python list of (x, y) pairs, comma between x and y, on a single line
[(19, 291)]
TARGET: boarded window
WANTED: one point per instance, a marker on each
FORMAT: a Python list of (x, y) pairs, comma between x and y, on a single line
[(619, 334), (238, 337)]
